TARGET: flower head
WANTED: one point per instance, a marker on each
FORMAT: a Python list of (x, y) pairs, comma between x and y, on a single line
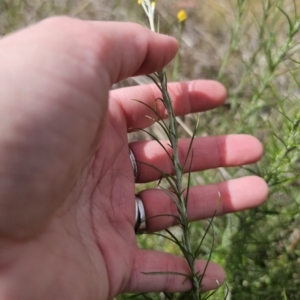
[(153, 2), (149, 8), (181, 16)]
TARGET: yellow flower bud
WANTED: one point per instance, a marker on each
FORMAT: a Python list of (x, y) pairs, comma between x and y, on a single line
[(181, 16)]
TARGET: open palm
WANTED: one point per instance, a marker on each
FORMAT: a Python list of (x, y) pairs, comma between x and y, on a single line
[(66, 182)]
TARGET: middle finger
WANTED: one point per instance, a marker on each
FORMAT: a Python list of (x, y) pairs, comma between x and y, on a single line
[(206, 153)]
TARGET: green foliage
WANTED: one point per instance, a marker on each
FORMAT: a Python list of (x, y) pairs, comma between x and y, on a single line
[(252, 47), (259, 248), (261, 256)]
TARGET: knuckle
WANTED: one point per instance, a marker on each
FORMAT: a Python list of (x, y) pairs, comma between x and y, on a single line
[(59, 21)]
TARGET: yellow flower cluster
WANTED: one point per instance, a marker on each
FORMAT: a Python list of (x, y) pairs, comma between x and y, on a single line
[(181, 16), (149, 8)]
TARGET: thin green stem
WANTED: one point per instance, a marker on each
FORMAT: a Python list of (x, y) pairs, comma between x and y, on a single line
[(161, 75), (160, 80)]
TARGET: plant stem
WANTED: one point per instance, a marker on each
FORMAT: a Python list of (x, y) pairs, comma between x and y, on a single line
[(160, 79), (182, 204)]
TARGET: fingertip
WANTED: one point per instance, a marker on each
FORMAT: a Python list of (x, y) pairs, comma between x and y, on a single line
[(259, 188), (246, 192), (170, 41), (219, 94), (161, 49), (256, 144), (130, 49), (213, 277), (239, 149), (208, 94)]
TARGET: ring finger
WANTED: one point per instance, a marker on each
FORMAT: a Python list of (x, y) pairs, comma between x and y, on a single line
[(204, 201)]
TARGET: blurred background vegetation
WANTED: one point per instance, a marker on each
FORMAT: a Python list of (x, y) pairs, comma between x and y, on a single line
[(252, 47)]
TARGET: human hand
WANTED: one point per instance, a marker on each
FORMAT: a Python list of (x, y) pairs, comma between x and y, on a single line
[(66, 182)]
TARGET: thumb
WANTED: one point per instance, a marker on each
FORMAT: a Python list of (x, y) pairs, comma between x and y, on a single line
[(128, 49), (120, 49)]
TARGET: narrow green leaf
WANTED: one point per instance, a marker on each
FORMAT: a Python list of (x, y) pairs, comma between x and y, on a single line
[(166, 273), (157, 140), (164, 175), (287, 17)]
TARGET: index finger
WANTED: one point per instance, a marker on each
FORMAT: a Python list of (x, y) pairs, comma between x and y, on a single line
[(188, 97)]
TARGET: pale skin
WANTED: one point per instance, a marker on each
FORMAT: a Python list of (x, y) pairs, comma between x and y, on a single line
[(66, 182)]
